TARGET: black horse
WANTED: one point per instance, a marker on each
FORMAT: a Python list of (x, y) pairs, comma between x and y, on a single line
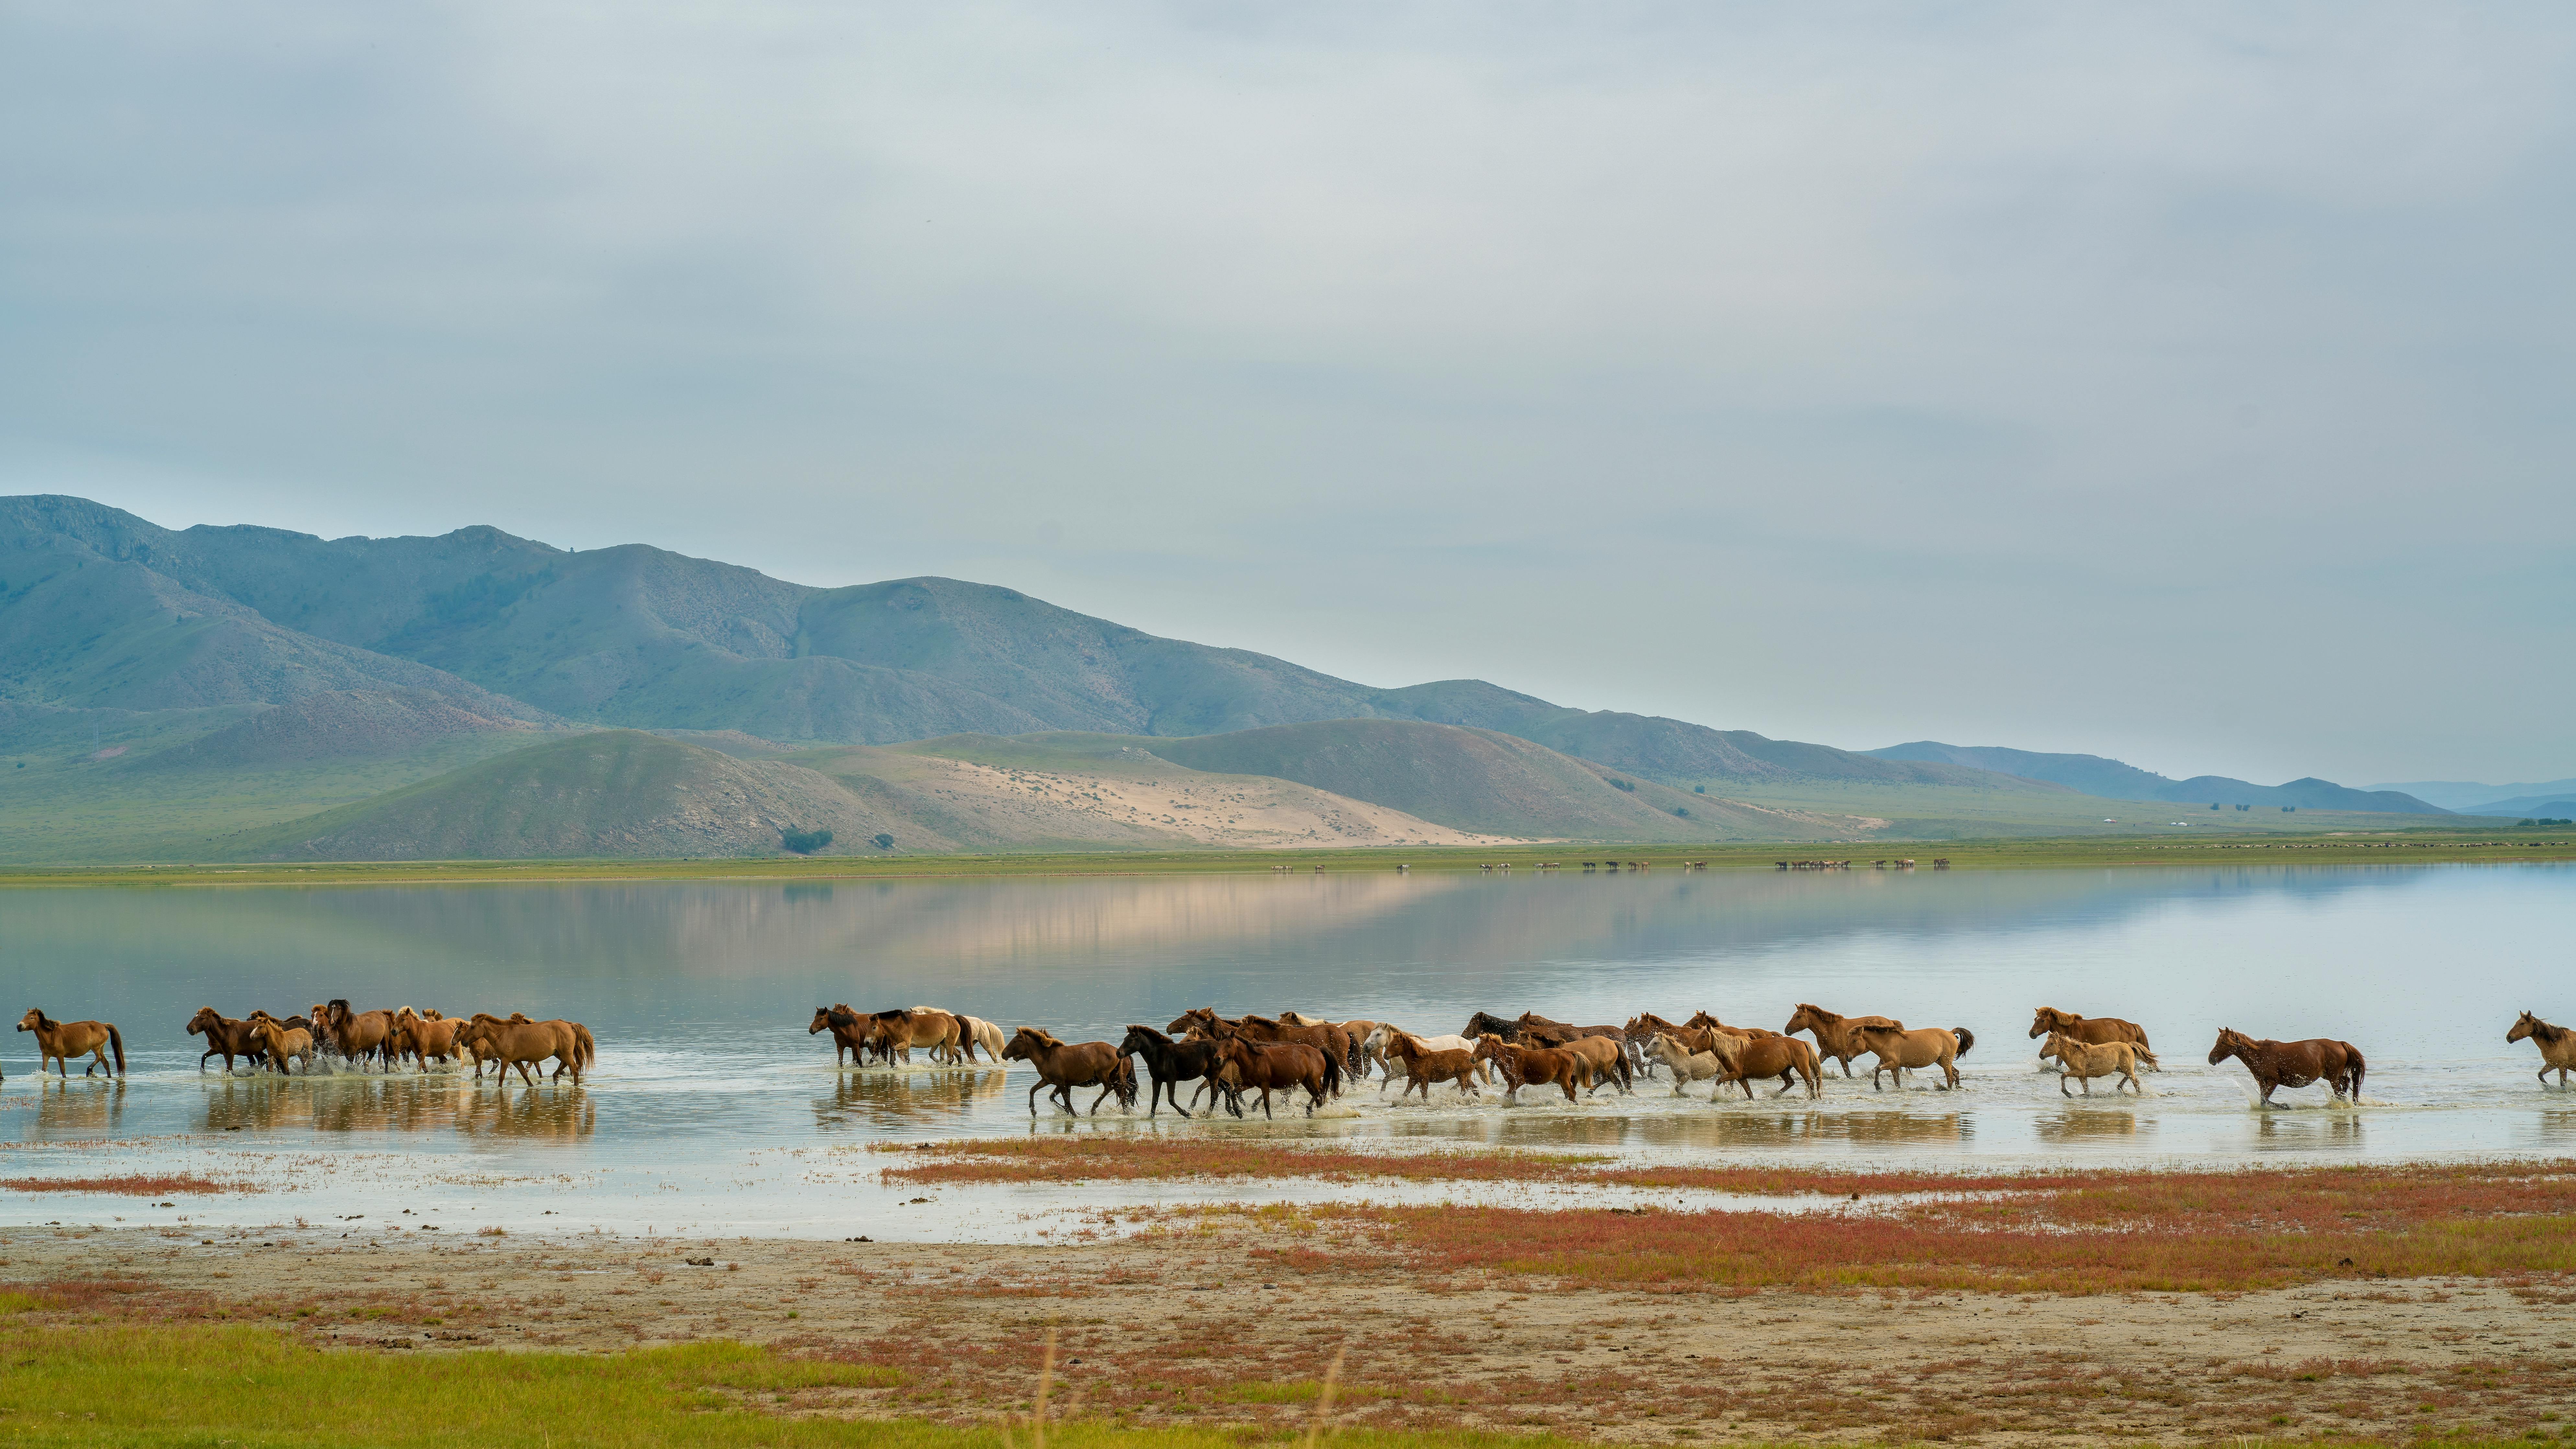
[(1485, 1023), (1171, 1062)]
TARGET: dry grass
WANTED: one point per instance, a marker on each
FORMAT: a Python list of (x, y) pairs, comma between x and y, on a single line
[(133, 1184)]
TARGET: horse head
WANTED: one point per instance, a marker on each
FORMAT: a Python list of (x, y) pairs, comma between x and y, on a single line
[(34, 1020), (1195, 1017), (1027, 1043), (1485, 1024), (2231, 1042), (1141, 1039), (208, 1019), (2049, 1018)]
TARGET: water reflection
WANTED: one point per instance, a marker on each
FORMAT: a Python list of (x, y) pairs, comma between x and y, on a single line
[(79, 1109), (880, 1099), (2336, 1128), (399, 1105), (2076, 1126)]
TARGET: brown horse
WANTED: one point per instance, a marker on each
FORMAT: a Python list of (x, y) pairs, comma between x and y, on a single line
[(1748, 1059), (1607, 1060), (59, 1041), (1836, 1036), (1532, 1067), (1327, 1038), (225, 1037), (900, 1030), (2092, 1030), (522, 1043), (1930, 1046), (2338, 1064), (355, 1035), (1280, 1066), (282, 1044), (2082, 1061), (424, 1034), (849, 1033), (2557, 1046), (1425, 1065), (1064, 1066)]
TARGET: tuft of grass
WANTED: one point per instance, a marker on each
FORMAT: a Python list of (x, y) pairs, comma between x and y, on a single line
[(132, 1184)]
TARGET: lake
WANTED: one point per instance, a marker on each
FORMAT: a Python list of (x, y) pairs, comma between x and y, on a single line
[(712, 1107)]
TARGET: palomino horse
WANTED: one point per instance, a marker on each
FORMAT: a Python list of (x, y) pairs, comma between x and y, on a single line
[(1930, 1046), (975, 1031), (522, 1043), (1281, 1067), (60, 1041), (1425, 1065), (1688, 1066), (1747, 1059), (282, 1044), (2338, 1064), (849, 1033), (355, 1035), (2084, 1060), (421, 1035), (1836, 1036), (1064, 1066), (1169, 1063), (225, 1037), (2557, 1046), (1532, 1067), (2094, 1030)]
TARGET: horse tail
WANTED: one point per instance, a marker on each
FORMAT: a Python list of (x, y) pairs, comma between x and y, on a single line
[(2358, 1065), (1332, 1075), (116, 1039), (1966, 1038), (2148, 1057)]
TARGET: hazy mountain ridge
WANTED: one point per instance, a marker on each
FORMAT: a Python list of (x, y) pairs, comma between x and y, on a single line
[(2113, 780), (2468, 797)]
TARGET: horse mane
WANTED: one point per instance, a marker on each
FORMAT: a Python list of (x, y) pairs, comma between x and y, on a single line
[(42, 1020), (1156, 1037), (2543, 1031), (338, 1003), (1248, 1019)]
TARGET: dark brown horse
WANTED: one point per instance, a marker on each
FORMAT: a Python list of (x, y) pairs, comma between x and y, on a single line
[(849, 1033), (2093, 1031), (1063, 1066), (1324, 1037), (1280, 1066), (226, 1038), (1169, 1063), (355, 1035), (2338, 1064)]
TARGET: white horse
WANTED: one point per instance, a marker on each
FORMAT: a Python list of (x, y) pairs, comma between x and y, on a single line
[(1688, 1066)]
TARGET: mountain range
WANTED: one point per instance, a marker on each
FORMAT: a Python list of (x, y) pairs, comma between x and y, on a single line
[(2112, 780), (246, 690)]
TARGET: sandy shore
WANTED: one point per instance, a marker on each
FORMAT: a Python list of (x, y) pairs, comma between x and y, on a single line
[(1226, 1318)]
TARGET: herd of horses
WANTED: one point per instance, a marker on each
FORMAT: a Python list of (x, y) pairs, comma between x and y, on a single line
[(1232, 1061), (1231, 1058), (332, 1029)]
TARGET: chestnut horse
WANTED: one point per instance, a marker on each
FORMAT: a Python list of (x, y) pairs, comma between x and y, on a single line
[(2557, 1046), (1063, 1066), (424, 1034), (1532, 1067), (1327, 1038), (519, 1042), (849, 1034), (1836, 1036), (225, 1037), (60, 1041), (1282, 1067), (282, 1044), (2093, 1030), (1930, 1046), (2084, 1060), (1425, 1065), (355, 1035), (1749, 1058), (2338, 1064)]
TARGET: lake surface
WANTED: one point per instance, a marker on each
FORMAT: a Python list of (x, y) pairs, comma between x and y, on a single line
[(712, 1108)]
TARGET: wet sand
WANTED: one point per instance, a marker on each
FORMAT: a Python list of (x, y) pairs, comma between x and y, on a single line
[(1231, 1317)]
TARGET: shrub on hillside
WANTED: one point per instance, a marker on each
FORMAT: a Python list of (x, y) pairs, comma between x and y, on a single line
[(805, 842)]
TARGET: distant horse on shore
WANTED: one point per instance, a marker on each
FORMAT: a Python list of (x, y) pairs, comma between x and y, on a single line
[(2338, 1064), (2094, 1030), (2557, 1046)]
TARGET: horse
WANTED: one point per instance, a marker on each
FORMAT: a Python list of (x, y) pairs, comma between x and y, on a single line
[(355, 1035), (2338, 1064), (1896, 1049), (1532, 1066), (904, 1028), (1063, 1067), (225, 1037), (59, 1041), (975, 1031), (522, 1043), (1484, 1024), (1688, 1066), (849, 1034), (2084, 1061), (1381, 1040), (1357, 1030), (468, 1045), (282, 1044), (1327, 1038), (2092, 1030), (1607, 1059), (1749, 1058), (424, 1034), (1281, 1066), (1169, 1063), (1425, 1065), (2557, 1045), (1836, 1036)]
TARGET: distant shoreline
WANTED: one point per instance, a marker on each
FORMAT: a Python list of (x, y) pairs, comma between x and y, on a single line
[(2382, 847)]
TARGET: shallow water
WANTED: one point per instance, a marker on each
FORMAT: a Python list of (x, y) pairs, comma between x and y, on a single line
[(711, 1106)]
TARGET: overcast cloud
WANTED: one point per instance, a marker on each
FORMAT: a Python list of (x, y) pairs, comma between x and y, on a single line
[(2186, 384)]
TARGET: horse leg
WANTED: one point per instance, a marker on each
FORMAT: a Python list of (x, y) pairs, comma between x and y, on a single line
[(1265, 1104), (1033, 1098)]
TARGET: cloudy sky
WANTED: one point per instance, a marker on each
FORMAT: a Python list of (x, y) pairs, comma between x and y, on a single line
[(2190, 384)]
